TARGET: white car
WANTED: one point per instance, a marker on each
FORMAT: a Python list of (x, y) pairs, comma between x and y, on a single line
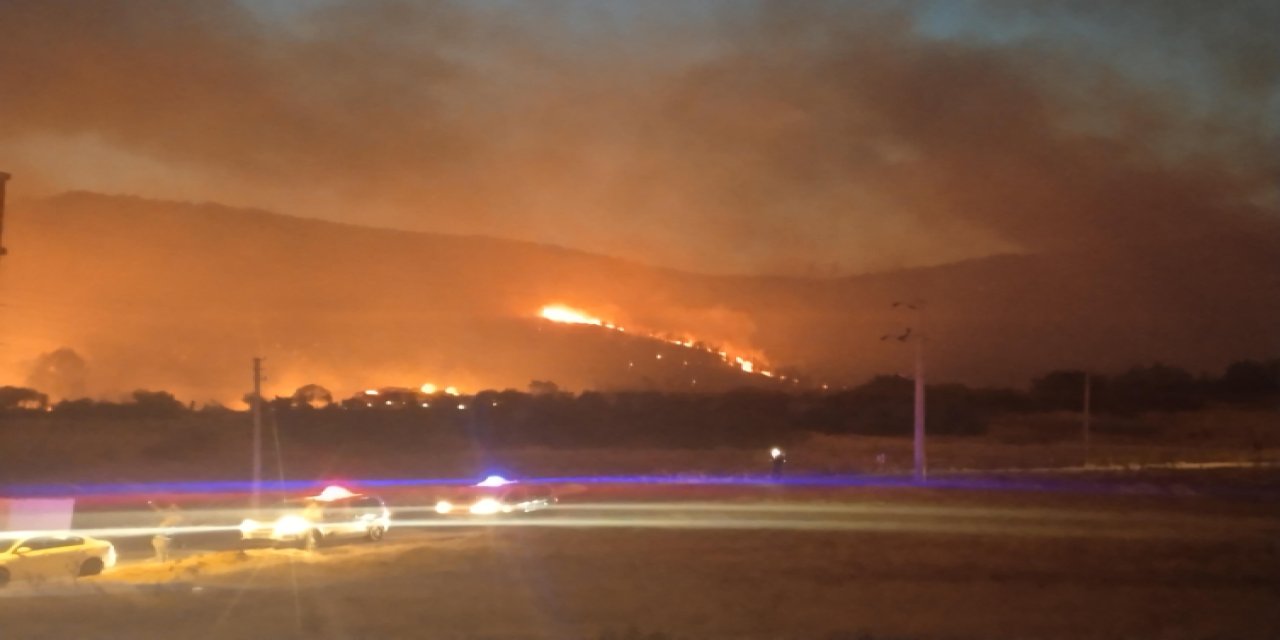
[(494, 496), (335, 513), (45, 557)]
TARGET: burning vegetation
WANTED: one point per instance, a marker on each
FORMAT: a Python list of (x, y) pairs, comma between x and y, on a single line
[(568, 315)]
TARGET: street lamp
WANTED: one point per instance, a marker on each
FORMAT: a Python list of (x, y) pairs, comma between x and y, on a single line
[(779, 458)]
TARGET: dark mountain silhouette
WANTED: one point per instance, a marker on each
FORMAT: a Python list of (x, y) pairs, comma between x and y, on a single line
[(179, 297)]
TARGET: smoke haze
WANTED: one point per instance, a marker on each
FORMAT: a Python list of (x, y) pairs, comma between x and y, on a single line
[(798, 137), (1122, 157)]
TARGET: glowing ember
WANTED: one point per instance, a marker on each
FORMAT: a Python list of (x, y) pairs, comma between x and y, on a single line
[(561, 313)]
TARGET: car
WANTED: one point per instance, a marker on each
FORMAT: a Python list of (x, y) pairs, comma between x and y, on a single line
[(335, 513), (54, 556), (493, 496)]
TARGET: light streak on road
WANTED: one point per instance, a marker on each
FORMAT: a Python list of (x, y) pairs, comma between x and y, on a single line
[(107, 533), (297, 487), (737, 521), (785, 516)]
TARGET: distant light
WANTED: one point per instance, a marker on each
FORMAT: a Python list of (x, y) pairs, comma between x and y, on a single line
[(428, 388), (775, 453), (444, 506), (389, 403), (461, 407), (659, 356), (334, 492), (494, 403), (371, 392), (493, 481), (426, 404)]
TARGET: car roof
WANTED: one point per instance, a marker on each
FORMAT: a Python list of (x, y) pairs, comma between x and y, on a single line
[(304, 500), (7, 543)]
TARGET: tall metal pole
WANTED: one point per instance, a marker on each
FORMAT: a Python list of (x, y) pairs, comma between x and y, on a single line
[(1088, 384), (4, 177), (921, 473), (257, 431)]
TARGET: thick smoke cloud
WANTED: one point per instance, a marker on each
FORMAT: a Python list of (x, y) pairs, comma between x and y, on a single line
[(809, 137)]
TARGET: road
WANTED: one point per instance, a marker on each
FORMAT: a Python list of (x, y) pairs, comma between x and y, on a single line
[(744, 562)]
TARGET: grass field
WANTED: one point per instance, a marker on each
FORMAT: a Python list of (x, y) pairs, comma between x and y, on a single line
[(73, 452)]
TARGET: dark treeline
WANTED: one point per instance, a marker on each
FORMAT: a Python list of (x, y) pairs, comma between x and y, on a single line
[(747, 417)]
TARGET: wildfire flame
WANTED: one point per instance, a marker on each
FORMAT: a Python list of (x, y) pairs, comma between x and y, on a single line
[(568, 315), (561, 313)]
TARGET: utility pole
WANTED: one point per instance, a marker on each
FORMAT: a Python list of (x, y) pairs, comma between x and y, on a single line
[(916, 334), (921, 470), (1088, 384), (4, 177), (257, 432)]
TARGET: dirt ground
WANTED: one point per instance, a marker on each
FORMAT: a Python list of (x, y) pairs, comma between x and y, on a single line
[(860, 563)]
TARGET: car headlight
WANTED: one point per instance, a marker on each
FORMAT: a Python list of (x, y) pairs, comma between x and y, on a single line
[(444, 506), (248, 526), (291, 526), (487, 507)]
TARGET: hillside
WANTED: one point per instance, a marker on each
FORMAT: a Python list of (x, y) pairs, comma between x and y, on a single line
[(179, 297)]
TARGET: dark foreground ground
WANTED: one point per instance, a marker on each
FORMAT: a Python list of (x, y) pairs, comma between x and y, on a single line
[(1194, 555)]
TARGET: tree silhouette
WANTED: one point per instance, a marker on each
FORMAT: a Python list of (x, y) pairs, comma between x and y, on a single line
[(13, 398), (312, 396), (61, 373)]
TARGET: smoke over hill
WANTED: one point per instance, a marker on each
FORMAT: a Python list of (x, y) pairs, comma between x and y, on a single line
[(781, 136), (179, 297)]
